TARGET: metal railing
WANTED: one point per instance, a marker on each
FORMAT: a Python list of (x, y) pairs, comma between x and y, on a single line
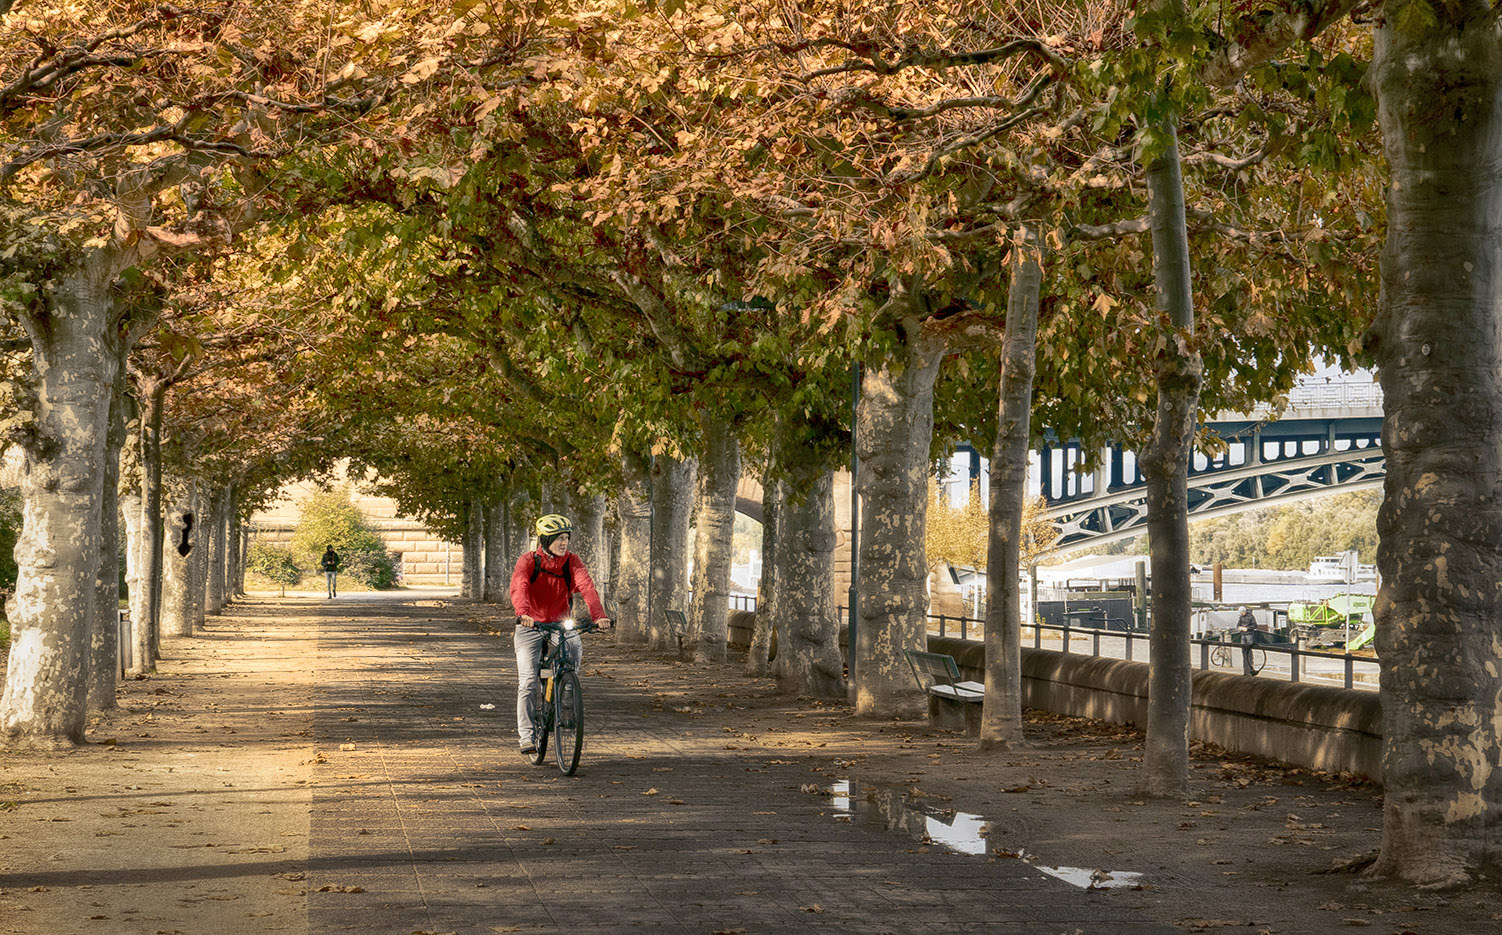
[(1132, 643), (1297, 657)]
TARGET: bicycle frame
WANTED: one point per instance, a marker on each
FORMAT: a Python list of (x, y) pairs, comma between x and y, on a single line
[(556, 667)]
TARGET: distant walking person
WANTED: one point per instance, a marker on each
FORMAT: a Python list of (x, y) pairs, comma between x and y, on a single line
[(1246, 626), (330, 563)]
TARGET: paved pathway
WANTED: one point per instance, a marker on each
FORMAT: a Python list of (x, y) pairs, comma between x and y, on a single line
[(444, 828), (322, 767)]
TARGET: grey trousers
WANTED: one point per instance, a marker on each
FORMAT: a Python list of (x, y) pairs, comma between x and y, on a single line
[(529, 648)]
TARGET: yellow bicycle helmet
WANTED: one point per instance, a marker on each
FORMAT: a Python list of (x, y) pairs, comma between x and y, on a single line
[(553, 524)]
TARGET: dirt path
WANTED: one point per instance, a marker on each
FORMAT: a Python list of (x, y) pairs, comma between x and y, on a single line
[(315, 767)]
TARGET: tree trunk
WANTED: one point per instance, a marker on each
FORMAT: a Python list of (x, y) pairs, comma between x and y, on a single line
[(470, 583), (714, 524), (147, 633), (213, 520), (135, 586), (809, 659), (1165, 467), (232, 541), (588, 541), (242, 535), (894, 429), (672, 510), (497, 570), (635, 509), (1001, 716), (104, 667), (769, 591), (177, 602), (52, 611), (198, 558), (1439, 356)]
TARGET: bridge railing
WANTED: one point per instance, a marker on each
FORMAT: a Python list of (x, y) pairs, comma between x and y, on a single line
[(1317, 393)]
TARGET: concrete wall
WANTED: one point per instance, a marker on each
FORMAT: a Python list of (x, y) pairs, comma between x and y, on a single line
[(1307, 725)]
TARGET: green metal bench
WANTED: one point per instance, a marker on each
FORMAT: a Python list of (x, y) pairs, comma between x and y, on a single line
[(953, 704)]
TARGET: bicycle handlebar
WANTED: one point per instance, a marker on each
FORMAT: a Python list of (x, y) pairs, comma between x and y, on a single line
[(567, 626)]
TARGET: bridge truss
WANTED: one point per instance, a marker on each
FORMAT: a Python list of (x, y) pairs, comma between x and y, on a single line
[(1263, 463)]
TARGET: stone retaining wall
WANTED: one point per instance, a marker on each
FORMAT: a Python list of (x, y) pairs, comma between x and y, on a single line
[(1315, 726), (1307, 725)]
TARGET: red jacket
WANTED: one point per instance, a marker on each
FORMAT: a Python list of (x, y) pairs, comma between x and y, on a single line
[(547, 598)]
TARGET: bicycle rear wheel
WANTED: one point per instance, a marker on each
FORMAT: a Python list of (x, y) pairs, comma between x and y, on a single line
[(1259, 659), (1220, 657), (568, 719), (541, 721)]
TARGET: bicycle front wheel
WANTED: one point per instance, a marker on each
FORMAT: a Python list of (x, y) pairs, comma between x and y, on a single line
[(540, 711), (1220, 657), (1259, 659), (568, 722)]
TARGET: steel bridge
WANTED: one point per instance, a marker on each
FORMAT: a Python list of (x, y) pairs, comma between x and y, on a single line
[(1327, 440)]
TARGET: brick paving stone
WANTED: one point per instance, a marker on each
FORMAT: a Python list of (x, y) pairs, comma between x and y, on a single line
[(462, 835)]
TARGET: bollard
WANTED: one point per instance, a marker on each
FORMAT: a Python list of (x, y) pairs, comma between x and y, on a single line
[(126, 645)]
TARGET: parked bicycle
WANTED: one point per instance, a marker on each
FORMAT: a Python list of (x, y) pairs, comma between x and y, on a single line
[(1224, 655), (557, 704)]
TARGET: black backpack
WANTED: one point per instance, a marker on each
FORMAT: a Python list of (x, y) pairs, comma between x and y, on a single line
[(567, 576)]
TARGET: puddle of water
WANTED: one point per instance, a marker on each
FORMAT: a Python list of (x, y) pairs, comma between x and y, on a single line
[(961, 832)]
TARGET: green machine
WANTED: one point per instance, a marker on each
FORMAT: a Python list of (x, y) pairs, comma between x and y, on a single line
[(1332, 621)]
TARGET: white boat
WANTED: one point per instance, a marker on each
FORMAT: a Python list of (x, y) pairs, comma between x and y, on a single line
[(1342, 569)]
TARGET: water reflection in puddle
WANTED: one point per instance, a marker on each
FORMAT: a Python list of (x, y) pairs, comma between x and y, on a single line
[(961, 832)]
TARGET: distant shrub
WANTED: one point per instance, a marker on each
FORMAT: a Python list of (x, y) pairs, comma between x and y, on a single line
[(275, 564)]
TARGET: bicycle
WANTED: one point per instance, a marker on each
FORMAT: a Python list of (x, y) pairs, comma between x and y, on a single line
[(557, 704), (1223, 655)]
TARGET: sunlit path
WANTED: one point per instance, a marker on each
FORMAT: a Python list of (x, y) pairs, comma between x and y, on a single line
[(427, 809)]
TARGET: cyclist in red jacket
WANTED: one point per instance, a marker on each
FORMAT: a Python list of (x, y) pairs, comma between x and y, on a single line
[(542, 586)]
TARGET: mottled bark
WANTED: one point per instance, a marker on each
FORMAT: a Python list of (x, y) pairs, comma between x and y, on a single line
[(672, 511), (1438, 342), (135, 587), (104, 667), (213, 520), (714, 529), (894, 429), (1001, 716), (51, 614), (146, 629), (588, 541), (470, 584), (1165, 467), (497, 571), (177, 602), (198, 560), (234, 557), (809, 658), (243, 534), (768, 592), (635, 509)]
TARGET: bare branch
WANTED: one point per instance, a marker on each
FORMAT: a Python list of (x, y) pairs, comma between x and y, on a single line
[(1267, 35), (872, 60), (965, 143)]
